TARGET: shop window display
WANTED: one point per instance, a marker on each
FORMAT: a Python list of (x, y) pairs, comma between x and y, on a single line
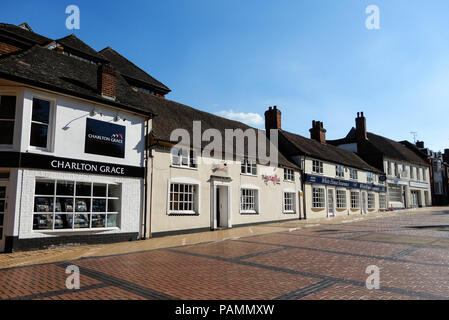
[(62, 205)]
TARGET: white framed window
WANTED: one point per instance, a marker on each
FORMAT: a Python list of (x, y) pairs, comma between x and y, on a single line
[(318, 197), (7, 119), (249, 167), (249, 201), (353, 174), (289, 202), (370, 177), (289, 175), (396, 170), (341, 199), (382, 201), (183, 198), (75, 205), (412, 172), (340, 171), (389, 168), (418, 173), (371, 200), (317, 166), (355, 200), (40, 136), (424, 174), (183, 158)]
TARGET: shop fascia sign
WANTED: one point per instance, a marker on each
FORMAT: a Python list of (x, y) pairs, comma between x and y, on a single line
[(344, 183), (418, 184)]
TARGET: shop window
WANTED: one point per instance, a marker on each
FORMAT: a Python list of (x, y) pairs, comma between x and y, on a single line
[(317, 166), (318, 197), (353, 174), (289, 202), (248, 201), (371, 201), (341, 199), (289, 175), (340, 171), (183, 198), (71, 205), (249, 167), (40, 124), (382, 201), (7, 118), (183, 158), (355, 200), (395, 193)]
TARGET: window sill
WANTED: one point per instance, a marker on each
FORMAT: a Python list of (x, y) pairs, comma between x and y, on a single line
[(248, 174), (291, 181), (289, 212), (182, 167), (83, 230), (185, 213), (249, 213)]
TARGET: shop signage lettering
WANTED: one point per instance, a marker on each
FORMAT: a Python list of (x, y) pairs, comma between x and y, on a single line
[(86, 167), (344, 183)]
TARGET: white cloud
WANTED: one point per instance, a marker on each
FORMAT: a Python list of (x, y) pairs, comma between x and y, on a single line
[(248, 118)]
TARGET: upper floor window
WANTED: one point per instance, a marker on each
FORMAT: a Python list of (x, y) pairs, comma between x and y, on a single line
[(183, 158), (7, 116), (40, 124), (389, 168), (340, 171), (317, 166), (412, 172), (424, 174), (418, 173), (369, 177), (249, 167), (353, 174), (289, 175), (396, 169)]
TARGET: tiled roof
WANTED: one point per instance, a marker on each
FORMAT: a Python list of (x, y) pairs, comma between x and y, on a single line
[(23, 34), (48, 69), (172, 115), (129, 69), (326, 152), (74, 44)]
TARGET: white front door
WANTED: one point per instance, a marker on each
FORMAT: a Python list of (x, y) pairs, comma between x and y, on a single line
[(3, 210), (221, 207), (330, 202), (364, 203)]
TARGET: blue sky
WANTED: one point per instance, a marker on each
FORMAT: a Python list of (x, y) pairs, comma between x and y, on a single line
[(314, 59)]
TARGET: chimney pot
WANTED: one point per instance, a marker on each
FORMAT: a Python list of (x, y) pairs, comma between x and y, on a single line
[(317, 132), (273, 117)]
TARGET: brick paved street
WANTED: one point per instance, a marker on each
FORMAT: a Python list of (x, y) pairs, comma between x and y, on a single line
[(323, 262)]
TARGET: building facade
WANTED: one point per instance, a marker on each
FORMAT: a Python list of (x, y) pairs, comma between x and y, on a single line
[(72, 152), (407, 174), (336, 182)]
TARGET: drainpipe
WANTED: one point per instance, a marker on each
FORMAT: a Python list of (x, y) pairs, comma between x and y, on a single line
[(303, 187), (145, 179)]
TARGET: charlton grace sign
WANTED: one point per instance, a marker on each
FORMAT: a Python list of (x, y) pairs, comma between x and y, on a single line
[(105, 138)]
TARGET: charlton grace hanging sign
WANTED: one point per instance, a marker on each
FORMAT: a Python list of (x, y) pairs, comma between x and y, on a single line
[(105, 138)]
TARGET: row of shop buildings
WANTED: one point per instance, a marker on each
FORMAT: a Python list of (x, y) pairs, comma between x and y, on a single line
[(87, 155)]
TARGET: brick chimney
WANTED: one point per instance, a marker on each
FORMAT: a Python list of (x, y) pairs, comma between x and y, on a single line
[(317, 132), (420, 144), (107, 80), (272, 119), (360, 127)]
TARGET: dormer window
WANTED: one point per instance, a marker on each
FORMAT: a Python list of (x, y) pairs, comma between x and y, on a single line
[(183, 158)]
